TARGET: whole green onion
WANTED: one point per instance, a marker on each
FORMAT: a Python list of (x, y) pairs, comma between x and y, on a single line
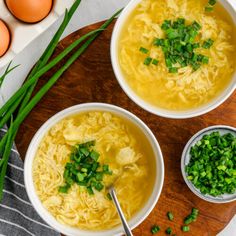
[(11, 105), (155, 229), (41, 62), (50, 49), (5, 156), (7, 140), (7, 71)]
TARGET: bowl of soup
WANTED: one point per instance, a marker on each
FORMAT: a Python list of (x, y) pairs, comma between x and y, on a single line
[(77, 154), (175, 58)]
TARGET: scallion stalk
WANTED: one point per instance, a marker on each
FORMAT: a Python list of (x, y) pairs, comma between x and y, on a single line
[(6, 156), (7, 140), (7, 71), (50, 49), (11, 105)]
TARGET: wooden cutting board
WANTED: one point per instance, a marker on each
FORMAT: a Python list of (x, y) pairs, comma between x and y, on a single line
[(91, 79)]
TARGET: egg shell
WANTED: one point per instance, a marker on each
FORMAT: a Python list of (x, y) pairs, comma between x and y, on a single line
[(5, 38), (29, 11)]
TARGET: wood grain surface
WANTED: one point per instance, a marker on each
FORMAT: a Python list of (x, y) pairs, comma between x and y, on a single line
[(91, 79)]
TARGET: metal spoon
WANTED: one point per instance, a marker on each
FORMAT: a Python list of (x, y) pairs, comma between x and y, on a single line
[(120, 212)]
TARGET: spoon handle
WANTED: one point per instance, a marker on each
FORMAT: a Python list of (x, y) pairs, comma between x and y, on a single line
[(120, 212)]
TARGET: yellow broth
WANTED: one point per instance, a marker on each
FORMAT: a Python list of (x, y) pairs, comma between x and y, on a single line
[(186, 89)]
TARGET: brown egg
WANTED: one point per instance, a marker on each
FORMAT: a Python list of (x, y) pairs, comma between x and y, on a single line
[(30, 11), (5, 38)]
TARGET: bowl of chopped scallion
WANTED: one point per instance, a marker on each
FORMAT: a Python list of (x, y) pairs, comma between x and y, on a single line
[(208, 164)]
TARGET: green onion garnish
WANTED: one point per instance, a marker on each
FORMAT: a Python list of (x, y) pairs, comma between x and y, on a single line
[(84, 169), (158, 42), (173, 70), (209, 9), (155, 229), (168, 231), (147, 61), (196, 25), (192, 217), (185, 228), (205, 60), (179, 45), (170, 216), (109, 196), (155, 62), (212, 2), (208, 43), (143, 50)]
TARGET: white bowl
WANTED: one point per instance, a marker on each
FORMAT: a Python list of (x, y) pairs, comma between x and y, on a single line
[(223, 129), (70, 231), (229, 5)]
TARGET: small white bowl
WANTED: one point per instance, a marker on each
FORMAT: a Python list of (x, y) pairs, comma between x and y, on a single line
[(229, 5), (223, 129), (28, 178)]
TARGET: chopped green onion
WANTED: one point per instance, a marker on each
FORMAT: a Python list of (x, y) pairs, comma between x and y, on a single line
[(90, 190), (99, 176), (185, 228), (170, 216), (168, 63), (155, 62), (205, 60), (209, 9), (80, 177), (172, 33), (147, 61), (99, 186), (143, 50), (109, 196), (188, 220), (208, 43), (180, 44), (155, 229), (212, 2), (195, 212), (212, 164), (94, 155), (166, 24), (196, 25), (173, 70), (64, 189), (196, 66), (168, 231), (192, 217), (84, 172), (158, 42), (196, 45)]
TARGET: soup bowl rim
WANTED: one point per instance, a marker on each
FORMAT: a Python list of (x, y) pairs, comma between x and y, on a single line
[(140, 216), (230, 7)]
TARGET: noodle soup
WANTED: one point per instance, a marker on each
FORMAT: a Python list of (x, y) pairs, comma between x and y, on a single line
[(185, 89), (121, 146)]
